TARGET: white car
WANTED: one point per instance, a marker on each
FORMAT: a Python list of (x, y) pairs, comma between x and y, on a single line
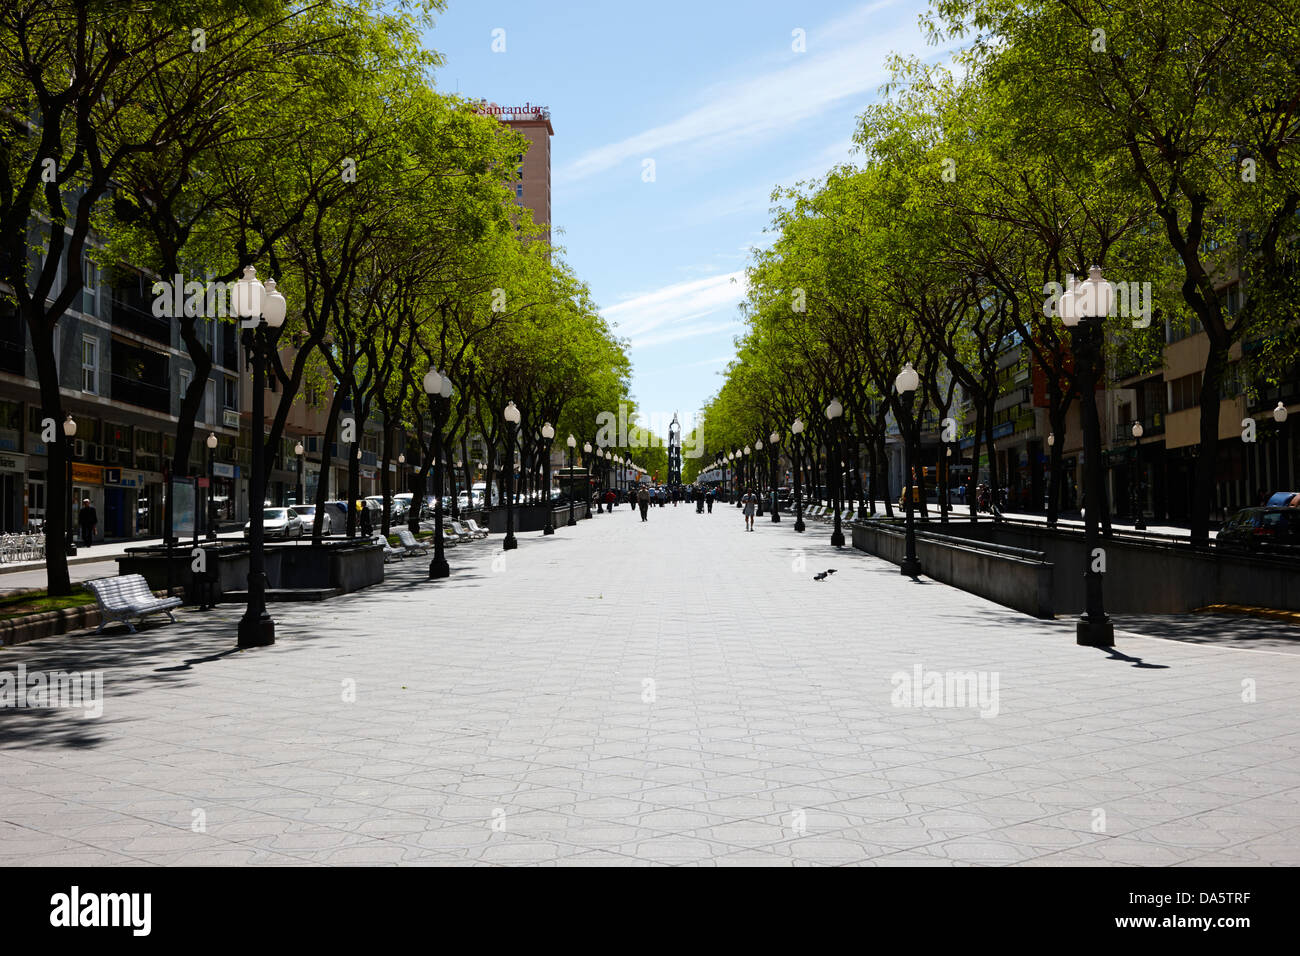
[(278, 523), (308, 515)]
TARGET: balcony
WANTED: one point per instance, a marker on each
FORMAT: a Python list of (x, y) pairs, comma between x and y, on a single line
[(1153, 425), (135, 392), (132, 309)]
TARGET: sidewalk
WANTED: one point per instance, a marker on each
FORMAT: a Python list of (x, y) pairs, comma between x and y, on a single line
[(704, 700), (100, 552)]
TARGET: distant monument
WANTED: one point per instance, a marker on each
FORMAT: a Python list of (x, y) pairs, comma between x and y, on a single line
[(674, 453)]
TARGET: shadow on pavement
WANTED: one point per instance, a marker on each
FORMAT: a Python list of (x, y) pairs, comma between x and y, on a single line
[(1223, 630)]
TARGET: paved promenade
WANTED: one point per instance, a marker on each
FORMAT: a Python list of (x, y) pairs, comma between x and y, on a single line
[(674, 692)]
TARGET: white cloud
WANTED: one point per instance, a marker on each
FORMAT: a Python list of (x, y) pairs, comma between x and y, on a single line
[(831, 72), (669, 314)]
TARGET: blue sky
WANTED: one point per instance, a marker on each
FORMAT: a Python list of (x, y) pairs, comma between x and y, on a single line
[(713, 92)]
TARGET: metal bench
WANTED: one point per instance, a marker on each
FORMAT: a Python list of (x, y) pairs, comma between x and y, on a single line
[(461, 531), (410, 544), (390, 553), (476, 530), (128, 596)]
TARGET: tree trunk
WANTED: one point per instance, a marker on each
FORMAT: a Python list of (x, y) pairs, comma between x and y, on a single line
[(1207, 457), (57, 581), (326, 466)]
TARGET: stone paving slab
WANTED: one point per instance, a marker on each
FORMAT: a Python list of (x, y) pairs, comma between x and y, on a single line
[(674, 692)]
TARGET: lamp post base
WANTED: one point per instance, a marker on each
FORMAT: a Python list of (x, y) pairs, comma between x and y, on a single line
[(570, 523), (910, 568), (549, 529), (256, 630), (837, 539), (1094, 632), (799, 525), (438, 568), (509, 544)]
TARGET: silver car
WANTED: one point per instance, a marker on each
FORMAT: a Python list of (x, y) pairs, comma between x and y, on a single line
[(278, 523), (308, 515)]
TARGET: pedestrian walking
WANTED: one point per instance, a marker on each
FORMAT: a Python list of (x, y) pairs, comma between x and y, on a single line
[(708, 499), (750, 501), (643, 499), (88, 522)]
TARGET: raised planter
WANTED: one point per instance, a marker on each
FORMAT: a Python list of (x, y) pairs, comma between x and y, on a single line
[(329, 568), (533, 517), (1013, 577), (20, 630), (1146, 575)]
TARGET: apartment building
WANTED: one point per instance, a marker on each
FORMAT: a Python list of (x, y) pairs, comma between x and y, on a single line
[(121, 374)]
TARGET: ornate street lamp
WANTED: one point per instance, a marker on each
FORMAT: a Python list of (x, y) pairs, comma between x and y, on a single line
[(586, 456), (261, 310), (1139, 519), (69, 433), (548, 435), (756, 471), (438, 387), (797, 430), (833, 413), (1082, 308), (297, 451), (906, 384), (511, 415), (211, 442), (1279, 416), (604, 482), (572, 443), (773, 450)]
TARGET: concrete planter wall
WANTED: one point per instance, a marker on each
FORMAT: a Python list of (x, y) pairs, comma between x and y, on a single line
[(48, 623), (1145, 577), (533, 517), (1012, 577), (340, 566)]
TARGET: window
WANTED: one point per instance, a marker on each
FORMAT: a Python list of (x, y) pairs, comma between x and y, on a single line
[(90, 286), (230, 393), (210, 402), (90, 364), (1185, 392), (519, 190)]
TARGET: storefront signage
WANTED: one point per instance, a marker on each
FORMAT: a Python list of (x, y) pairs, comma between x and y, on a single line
[(87, 474), (10, 462), (230, 418), (223, 470)]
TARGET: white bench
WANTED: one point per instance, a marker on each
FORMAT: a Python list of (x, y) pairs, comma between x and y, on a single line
[(475, 529), (390, 553), (410, 544), (128, 596)]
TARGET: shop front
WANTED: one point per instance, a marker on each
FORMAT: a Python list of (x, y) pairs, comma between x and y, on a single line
[(222, 501), (124, 491), (13, 478), (88, 485)]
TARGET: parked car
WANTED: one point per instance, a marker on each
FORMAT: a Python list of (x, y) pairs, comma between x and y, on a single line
[(308, 515), (1252, 530), (278, 523), (338, 514)]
